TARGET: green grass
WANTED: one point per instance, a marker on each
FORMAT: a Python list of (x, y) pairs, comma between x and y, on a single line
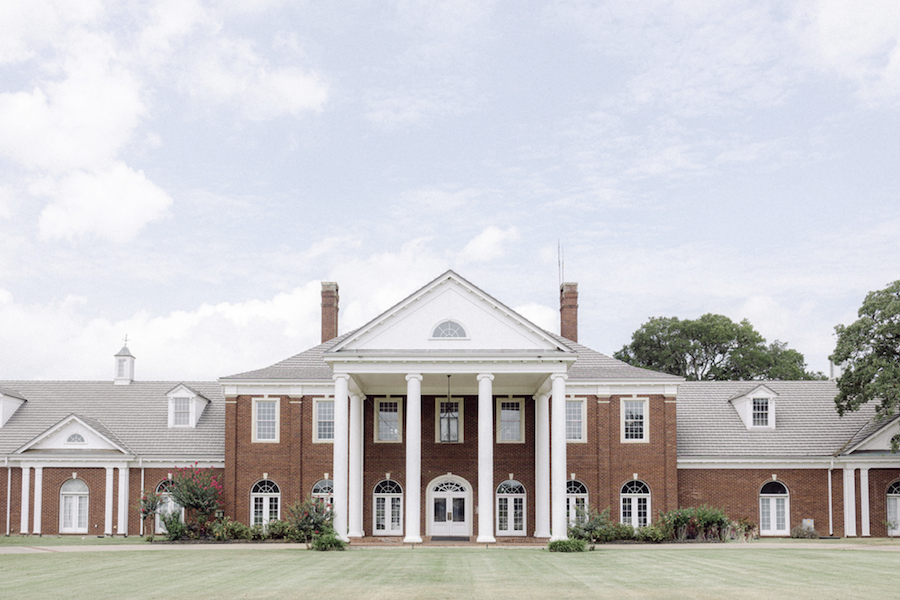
[(609, 572)]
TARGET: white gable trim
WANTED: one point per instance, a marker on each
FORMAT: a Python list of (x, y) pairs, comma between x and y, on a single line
[(51, 431), (429, 288), (880, 440)]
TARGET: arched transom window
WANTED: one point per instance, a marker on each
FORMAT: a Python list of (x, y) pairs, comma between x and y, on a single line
[(449, 486), (449, 329), (75, 438), (324, 489), (576, 501), (893, 508), (774, 509), (167, 504), (265, 502), (388, 508), (635, 502), (511, 508)]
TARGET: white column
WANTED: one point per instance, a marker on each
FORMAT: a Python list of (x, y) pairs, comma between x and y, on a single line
[(123, 502), (108, 520), (413, 457), (38, 498), (849, 501), (356, 470), (863, 500), (485, 459), (26, 500), (558, 475), (341, 454), (542, 466)]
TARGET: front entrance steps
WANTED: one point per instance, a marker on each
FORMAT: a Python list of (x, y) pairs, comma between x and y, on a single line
[(389, 541)]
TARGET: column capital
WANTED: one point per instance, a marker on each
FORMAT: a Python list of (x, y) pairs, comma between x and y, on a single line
[(562, 376), (344, 376), (488, 376), (541, 395), (412, 376)]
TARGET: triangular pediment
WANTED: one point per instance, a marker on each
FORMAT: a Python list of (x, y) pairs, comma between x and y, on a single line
[(74, 434), (880, 440), (484, 324)]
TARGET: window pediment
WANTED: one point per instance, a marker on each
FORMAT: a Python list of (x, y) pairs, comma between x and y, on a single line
[(185, 406), (756, 408)]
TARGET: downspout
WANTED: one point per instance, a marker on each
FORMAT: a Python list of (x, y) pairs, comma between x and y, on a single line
[(830, 501), (141, 465), (8, 491)]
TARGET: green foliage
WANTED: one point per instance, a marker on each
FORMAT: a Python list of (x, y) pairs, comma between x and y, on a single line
[(327, 541), (695, 523), (869, 352), (743, 529), (712, 347), (279, 530), (804, 533), (310, 518), (148, 506), (570, 545), (595, 527), (227, 529), (257, 532), (651, 533), (175, 527), (197, 490)]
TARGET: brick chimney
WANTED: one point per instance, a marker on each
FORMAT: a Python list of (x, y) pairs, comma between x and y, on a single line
[(568, 311), (329, 310)]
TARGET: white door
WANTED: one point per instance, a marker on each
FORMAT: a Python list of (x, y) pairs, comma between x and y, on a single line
[(450, 514), (388, 515), (773, 518), (893, 512), (576, 507), (166, 506), (510, 515), (74, 514)]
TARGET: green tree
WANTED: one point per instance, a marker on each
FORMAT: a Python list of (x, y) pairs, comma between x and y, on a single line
[(198, 490), (712, 347), (869, 352)]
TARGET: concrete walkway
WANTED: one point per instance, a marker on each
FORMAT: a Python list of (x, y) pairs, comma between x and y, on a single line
[(162, 547)]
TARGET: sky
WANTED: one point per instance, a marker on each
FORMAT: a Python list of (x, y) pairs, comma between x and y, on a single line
[(187, 173)]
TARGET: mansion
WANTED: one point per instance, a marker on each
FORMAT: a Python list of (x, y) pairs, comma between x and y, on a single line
[(447, 416)]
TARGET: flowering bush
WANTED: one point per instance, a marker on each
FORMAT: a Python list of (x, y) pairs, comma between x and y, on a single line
[(198, 490), (311, 518), (149, 505)]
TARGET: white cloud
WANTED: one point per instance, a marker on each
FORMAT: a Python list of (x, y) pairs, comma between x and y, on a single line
[(491, 244), (113, 204), (6, 202), (397, 108), (230, 71)]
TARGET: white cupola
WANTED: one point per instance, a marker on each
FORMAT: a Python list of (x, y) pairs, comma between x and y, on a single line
[(124, 366)]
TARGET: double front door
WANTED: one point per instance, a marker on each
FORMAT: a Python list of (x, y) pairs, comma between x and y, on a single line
[(450, 515)]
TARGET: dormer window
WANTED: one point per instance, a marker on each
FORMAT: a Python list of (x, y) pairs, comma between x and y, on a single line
[(760, 412), (449, 329), (75, 438), (756, 407), (185, 406)]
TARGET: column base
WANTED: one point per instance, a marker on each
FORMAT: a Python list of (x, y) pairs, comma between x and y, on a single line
[(356, 534), (541, 534), (412, 540), (485, 539)]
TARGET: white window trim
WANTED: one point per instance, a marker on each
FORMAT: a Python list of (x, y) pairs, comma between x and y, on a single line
[(770, 412), (315, 421), (773, 520), (172, 411), (632, 498), (387, 515), (499, 404), (646, 438), (277, 401), (441, 322), (377, 427), (83, 441), (77, 496), (583, 438), (267, 497), (437, 418)]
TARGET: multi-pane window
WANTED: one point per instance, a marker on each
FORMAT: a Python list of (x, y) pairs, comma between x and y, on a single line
[(893, 509), (760, 412), (266, 502), (74, 507), (449, 329), (633, 415), (181, 412), (511, 508), (388, 421), (635, 503), (574, 420), (266, 420), (510, 421), (449, 420), (388, 508), (774, 503), (576, 501), (324, 490), (324, 420)]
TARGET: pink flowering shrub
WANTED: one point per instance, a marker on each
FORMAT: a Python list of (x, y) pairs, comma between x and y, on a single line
[(197, 490)]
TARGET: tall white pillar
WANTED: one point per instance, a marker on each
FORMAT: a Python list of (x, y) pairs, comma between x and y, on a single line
[(863, 500), (485, 459), (38, 498), (123, 502), (341, 454), (356, 471), (108, 509), (413, 457), (558, 475), (542, 466), (849, 501), (26, 500)]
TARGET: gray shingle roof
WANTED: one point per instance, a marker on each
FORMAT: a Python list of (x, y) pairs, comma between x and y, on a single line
[(806, 422), (134, 416), (12, 393)]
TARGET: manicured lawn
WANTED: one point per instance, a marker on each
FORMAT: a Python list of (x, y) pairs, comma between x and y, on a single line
[(609, 572)]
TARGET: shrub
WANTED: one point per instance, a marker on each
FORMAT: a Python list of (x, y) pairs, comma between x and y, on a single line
[(175, 527), (279, 530), (649, 533), (148, 507), (197, 490), (310, 518), (702, 523), (570, 545), (229, 529), (806, 533), (743, 529), (257, 532), (327, 541)]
